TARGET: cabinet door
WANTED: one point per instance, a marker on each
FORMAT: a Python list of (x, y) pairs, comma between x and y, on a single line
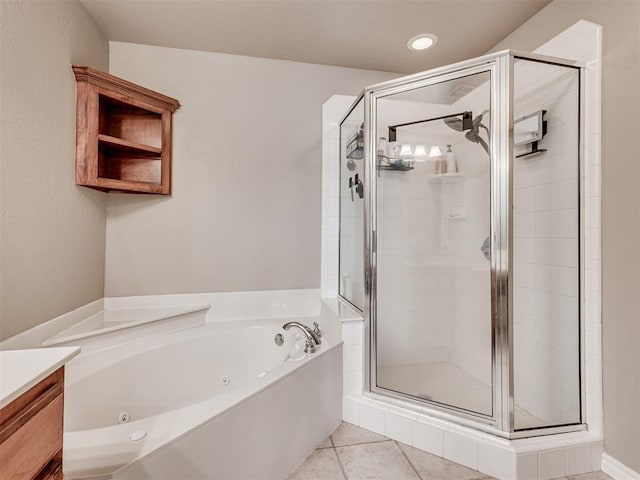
[(31, 432)]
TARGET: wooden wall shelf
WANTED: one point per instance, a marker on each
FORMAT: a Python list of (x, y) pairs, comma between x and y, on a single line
[(123, 134)]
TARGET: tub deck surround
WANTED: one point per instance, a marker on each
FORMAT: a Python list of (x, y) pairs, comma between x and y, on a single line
[(233, 305), (116, 320), (342, 310), (34, 337), (22, 369), (223, 306), (175, 409), (112, 375)]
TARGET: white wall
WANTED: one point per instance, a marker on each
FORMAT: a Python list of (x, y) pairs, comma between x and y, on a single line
[(245, 209), (52, 232)]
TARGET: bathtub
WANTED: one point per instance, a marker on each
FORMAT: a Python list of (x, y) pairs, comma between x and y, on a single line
[(220, 400)]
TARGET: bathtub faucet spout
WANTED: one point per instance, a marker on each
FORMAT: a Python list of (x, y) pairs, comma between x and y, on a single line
[(313, 340)]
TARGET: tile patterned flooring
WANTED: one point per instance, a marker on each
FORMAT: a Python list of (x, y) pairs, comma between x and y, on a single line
[(353, 453)]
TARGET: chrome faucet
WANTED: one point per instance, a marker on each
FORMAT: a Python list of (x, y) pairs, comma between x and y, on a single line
[(313, 339), (316, 329)]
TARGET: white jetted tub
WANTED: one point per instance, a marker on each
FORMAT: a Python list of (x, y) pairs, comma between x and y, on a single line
[(221, 400)]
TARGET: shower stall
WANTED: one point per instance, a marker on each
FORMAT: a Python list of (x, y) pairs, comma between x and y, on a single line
[(461, 241)]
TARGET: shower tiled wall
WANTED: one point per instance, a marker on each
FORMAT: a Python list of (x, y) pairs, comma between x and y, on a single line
[(409, 216), (410, 295), (471, 319), (430, 230)]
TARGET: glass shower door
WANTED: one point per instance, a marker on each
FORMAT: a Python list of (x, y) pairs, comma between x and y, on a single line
[(432, 316)]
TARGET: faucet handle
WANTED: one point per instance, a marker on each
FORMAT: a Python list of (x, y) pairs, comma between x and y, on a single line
[(316, 329), (309, 346)]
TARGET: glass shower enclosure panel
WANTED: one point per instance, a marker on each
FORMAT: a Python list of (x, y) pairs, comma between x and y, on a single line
[(546, 244), (351, 235), (433, 328)]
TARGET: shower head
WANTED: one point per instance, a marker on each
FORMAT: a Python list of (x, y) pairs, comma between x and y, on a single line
[(460, 122), (473, 133)]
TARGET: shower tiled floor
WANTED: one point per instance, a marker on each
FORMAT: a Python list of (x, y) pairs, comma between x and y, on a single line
[(353, 453)]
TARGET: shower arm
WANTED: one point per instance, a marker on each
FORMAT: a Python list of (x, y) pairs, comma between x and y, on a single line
[(467, 123)]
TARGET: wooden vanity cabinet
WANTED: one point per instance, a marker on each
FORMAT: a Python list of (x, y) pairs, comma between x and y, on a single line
[(31, 428), (123, 134)]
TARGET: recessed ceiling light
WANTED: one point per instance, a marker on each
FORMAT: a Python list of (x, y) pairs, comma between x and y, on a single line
[(422, 42)]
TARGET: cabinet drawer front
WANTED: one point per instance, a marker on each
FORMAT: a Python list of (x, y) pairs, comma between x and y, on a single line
[(29, 448), (53, 470)]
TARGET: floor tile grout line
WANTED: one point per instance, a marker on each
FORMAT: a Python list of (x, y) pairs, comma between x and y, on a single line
[(363, 443), (410, 463), (344, 473), (335, 452)]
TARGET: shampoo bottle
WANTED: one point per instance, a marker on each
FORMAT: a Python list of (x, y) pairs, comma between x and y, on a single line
[(452, 166)]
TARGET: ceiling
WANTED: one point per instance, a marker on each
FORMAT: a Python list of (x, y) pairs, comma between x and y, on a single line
[(369, 34)]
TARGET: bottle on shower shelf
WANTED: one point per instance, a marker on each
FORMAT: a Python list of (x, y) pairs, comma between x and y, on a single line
[(440, 162), (452, 165)]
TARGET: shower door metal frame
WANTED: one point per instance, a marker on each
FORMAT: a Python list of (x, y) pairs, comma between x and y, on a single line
[(371, 95), (501, 68)]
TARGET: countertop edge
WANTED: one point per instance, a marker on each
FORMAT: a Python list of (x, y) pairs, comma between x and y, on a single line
[(65, 354)]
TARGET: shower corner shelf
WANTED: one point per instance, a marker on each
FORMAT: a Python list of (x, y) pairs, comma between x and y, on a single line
[(123, 134), (446, 177), (396, 167), (397, 164), (355, 146), (532, 153)]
